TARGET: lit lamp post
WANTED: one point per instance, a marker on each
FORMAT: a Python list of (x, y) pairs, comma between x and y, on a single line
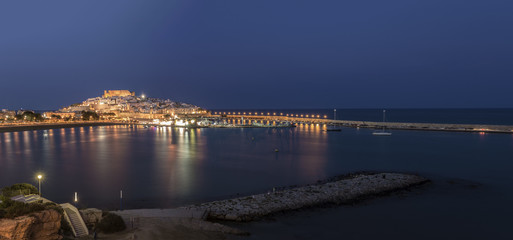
[(39, 177)]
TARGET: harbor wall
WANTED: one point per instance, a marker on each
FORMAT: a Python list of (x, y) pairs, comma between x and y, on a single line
[(388, 125)]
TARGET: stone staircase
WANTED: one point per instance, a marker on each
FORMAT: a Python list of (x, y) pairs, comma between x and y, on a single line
[(31, 198), (74, 219)]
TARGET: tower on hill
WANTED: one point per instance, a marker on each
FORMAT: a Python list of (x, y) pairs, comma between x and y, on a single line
[(117, 93)]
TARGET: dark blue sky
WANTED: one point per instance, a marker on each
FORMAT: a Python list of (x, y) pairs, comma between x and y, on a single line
[(259, 54)]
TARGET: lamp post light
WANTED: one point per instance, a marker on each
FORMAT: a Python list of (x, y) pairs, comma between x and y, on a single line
[(121, 200), (39, 177)]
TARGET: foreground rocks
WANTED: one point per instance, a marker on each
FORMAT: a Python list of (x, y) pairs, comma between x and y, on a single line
[(91, 216), (350, 189), (42, 225)]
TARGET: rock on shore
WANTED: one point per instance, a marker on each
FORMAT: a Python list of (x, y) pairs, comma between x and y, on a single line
[(42, 225), (346, 190), (91, 216)]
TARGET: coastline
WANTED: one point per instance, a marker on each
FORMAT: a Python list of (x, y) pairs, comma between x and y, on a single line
[(447, 127), (194, 222), (201, 221), (44, 126)]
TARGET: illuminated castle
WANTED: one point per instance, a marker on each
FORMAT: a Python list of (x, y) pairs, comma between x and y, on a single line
[(117, 93)]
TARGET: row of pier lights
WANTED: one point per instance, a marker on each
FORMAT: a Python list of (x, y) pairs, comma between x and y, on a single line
[(273, 114)]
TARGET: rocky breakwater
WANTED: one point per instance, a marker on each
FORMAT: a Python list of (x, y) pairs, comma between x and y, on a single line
[(340, 190), (42, 225)]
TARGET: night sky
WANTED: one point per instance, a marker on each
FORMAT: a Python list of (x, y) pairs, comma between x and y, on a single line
[(259, 54)]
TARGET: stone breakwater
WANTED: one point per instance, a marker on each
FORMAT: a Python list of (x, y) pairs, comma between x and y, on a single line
[(353, 188), (389, 125)]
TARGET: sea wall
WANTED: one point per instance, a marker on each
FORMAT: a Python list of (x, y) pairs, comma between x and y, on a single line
[(389, 125), (353, 188)]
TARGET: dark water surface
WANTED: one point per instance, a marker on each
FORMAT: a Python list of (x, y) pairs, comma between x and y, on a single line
[(470, 197)]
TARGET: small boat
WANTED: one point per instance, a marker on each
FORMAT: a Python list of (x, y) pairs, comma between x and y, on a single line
[(262, 125), (333, 130), (382, 132)]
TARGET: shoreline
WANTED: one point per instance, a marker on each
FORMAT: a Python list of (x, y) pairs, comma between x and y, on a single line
[(45, 126), (443, 127), (204, 221), (201, 221)]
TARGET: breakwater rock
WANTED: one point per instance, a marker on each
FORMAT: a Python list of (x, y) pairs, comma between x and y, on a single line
[(339, 191), (91, 216)]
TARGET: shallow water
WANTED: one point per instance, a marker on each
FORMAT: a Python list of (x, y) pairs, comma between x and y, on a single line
[(166, 167)]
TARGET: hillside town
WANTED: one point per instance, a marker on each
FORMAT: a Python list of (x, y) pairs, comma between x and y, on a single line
[(125, 107), (113, 105)]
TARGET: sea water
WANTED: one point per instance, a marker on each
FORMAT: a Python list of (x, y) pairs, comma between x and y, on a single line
[(470, 196)]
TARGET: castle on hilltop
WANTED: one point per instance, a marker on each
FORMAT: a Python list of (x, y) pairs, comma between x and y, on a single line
[(124, 104), (117, 93)]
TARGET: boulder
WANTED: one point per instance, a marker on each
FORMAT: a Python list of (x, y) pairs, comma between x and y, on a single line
[(91, 216), (231, 217), (42, 225)]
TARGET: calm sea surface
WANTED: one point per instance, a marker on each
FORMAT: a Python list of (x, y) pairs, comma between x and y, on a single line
[(470, 198)]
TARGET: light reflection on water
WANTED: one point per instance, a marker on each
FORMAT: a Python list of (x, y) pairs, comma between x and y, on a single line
[(161, 167), (167, 167)]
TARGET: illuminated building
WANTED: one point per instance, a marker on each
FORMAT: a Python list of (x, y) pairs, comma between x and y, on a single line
[(117, 93)]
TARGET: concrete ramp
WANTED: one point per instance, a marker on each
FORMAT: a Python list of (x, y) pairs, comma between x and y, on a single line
[(72, 215), (177, 213)]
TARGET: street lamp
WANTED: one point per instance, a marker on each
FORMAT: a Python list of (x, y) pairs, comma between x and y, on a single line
[(39, 177)]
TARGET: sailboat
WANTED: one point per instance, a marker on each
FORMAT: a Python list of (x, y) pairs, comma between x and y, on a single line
[(382, 132)]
